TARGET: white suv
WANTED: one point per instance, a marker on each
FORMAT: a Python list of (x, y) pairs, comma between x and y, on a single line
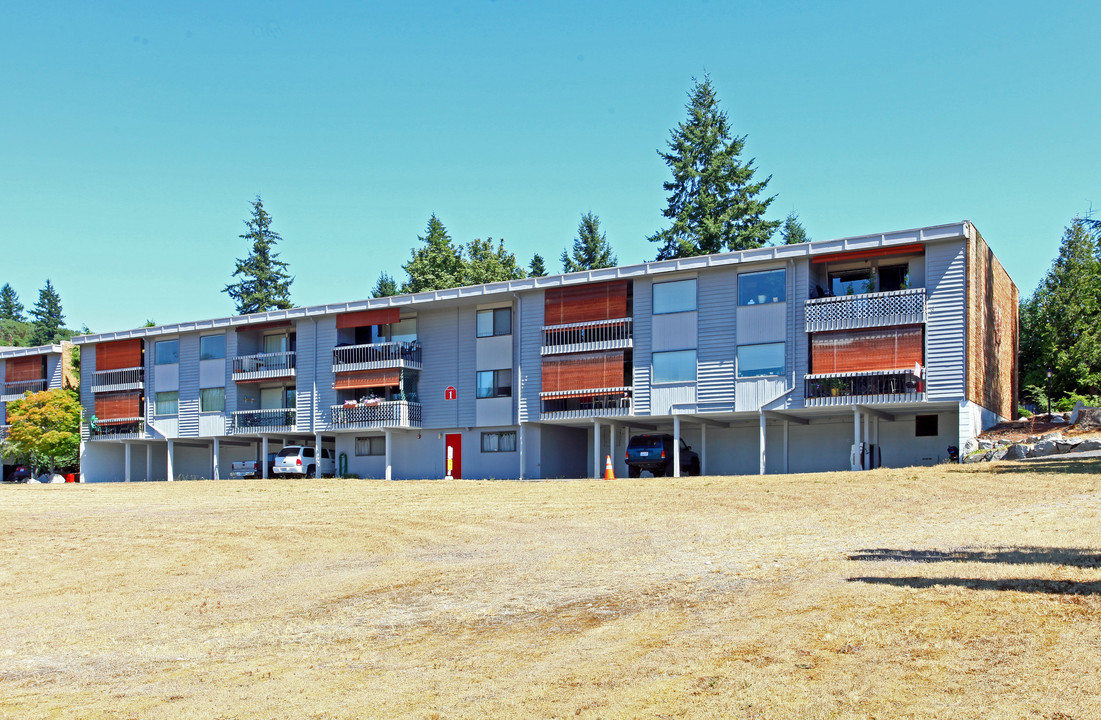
[(301, 460)]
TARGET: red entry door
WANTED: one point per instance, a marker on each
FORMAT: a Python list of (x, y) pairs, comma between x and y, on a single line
[(453, 455)]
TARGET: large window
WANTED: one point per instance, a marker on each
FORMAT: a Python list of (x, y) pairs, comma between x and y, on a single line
[(497, 321), (368, 446), (676, 366), (212, 347), (671, 297), (499, 441), (495, 383), (167, 352), (759, 288), (166, 403), (758, 360), (212, 400)]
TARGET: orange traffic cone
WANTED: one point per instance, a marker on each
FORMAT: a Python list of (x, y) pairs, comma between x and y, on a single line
[(608, 473)]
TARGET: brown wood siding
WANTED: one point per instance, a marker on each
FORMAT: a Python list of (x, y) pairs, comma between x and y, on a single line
[(587, 303), (22, 369), (895, 348), (118, 355), (367, 379), (364, 318), (992, 331), (111, 406), (587, 371)]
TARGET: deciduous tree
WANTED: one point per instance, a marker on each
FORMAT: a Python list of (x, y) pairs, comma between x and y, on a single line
[(590, 248), (486, 263), (45, 428), (263, 283)]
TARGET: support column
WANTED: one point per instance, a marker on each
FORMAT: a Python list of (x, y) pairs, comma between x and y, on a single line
[(855, 456), (596, 449), (388, 459), (703, 449), (81, 456), (148, 462), (787, 425), (611, 444), (762, 442), (520, 447), (126, 459), (317, 452), (171, 460), (264, 457), (676, 446), (877, 453), (866, 457), (214, 458)]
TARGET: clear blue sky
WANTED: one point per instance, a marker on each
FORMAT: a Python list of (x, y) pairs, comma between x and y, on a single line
[(132, 137)]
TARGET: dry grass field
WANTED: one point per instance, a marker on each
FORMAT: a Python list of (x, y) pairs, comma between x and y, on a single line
[(954, 592)]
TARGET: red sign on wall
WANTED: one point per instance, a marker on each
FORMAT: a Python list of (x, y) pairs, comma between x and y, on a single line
[(450, 394)]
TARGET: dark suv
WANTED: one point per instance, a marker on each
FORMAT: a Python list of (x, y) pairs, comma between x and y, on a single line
[(655, 453)]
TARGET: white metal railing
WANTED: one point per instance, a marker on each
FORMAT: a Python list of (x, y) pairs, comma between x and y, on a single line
[(394, 413), (114, 380), (15, 390), (264, 365), (600, 402), (586, 336), (853, 312), (374, 356), (131, 428), (261, 421)]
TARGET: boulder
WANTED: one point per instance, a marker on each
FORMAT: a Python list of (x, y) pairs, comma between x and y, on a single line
[(997, 453), (1087, 445), (976, 457), (1068, 444), (1074, 413), (969, 446), (1089, 419), (985, 444), (1043, 448), (1017, 451), (1058, 420)]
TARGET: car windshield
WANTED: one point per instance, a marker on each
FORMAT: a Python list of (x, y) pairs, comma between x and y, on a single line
[(288, 452)]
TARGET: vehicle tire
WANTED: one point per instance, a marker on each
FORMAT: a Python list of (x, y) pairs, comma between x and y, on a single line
[(633, 471), (694, 468), (659, 471), (312, 472)]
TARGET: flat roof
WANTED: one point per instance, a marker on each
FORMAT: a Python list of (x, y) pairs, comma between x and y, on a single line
[(933, 233), (14, 352)]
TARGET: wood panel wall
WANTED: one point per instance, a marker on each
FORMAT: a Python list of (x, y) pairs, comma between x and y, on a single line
[(585, 303), (894, 348)]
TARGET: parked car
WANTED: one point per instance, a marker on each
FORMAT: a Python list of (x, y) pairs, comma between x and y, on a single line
[(249, 469), (302, 460), (655, 453), (19, 475)]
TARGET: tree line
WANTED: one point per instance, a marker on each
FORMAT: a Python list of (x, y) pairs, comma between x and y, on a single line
[(45, 324)]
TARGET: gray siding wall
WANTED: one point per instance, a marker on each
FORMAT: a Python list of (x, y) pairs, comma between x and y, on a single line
[(189, 386), (322, 363), (799, 341), (53, 372), (945, 333), (305, 361), (231, 387), (718, 299), (467, 380), (643, 303), (530, 340), (87, 372), (438, 331)]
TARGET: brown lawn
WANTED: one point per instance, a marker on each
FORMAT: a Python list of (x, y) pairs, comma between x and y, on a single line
[(934, 593)]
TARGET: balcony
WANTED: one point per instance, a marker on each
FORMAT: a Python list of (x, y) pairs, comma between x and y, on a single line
[(377, 356), (855, 312), (264, 366), (258, 422), (588, 336), (392, 414), (15, 390), (115, 429), (571, 404), (117, 380), (881, 386)]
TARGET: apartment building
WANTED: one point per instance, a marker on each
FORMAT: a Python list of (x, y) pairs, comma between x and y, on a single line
[(853, 353), (31, 369)]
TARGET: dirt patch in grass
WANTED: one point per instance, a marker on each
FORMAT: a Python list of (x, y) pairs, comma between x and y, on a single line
[(947, 592)]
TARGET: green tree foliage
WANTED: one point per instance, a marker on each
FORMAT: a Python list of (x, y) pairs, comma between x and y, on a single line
[(438, 265), (792, 231), (713, 202), (264, 283), (590, 248), (45, 428), (1061, 322), (48, 317), (385, 287), (10, 307), (15, 333), (537, 267), (486, 263)]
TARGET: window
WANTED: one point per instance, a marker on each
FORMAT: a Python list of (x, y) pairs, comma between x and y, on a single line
[(676, 366), (494, 383), (497, 321), (499, 441), (759, 288), (925, 426), (671, 297), (212, 400), (758, 360), (852, 282), (212, 347), (278, 343), (893, 277), (367, 446), (166, 403), (167, 352)]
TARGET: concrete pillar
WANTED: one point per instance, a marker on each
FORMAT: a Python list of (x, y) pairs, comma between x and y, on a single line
[(171, 460), (703, 449), (389, 460), (762, 442), (867, 442), (856, 440), (148, 462), (264, 457), (787, 424), (317, 451), (126, 456), (596, 449), (214, 458), (676, 446), (520, 448), (81, 456)]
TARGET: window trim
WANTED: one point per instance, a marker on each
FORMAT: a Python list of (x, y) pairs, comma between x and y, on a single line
[(738, 361), (497, 386), (499, 435), (695, 296), (695, 365), (493, 322)]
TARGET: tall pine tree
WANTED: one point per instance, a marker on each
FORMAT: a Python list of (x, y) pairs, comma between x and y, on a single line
[(590, 248), (792, 231), (10, 307), (47, 316), (713, 202), (385, 287), (438, 265), (264, 283), (537, 267)]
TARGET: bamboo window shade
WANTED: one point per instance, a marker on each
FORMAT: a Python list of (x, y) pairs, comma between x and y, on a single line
[(22, 369), (118, 355), (584, 371), (586, 303), (112, 406), (367, 379), (894, 348), (385, 316)]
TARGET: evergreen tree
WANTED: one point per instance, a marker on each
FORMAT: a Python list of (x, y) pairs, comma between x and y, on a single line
[(264, 283), (436, 266), (487, 263), (47, 315), (590, 248), (792, 231), (713, 201), (385, 287), (10, 307), (537, 268)]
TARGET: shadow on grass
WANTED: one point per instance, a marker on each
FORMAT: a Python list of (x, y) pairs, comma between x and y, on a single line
[(1074, 557), (1049, 587), (1073, 466)]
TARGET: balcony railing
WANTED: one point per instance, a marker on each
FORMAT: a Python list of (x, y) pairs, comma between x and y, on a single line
[(244, 422), (864, 387), (602, 402), (263, 366), (14, 390), (116, 429), (395, 413), (377, 356), (854, 312), (584, 337), (115, 380)]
